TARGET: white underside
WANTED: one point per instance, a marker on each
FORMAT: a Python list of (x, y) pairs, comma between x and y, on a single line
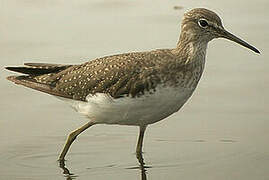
[(147, 109)]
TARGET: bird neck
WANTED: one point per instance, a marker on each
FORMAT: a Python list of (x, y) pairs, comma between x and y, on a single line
[(190, 48)]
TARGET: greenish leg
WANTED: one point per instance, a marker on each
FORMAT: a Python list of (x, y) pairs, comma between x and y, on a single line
[(72, 136)]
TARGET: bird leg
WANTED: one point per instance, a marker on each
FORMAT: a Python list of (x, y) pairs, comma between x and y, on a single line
[(72, 136), (140, 144)]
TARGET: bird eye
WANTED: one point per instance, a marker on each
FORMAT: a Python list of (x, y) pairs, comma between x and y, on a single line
[(203, 23)]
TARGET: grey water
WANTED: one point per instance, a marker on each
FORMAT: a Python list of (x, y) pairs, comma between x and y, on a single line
[(221, 133)]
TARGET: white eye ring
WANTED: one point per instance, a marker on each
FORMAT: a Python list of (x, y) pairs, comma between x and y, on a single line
[(203, 23)]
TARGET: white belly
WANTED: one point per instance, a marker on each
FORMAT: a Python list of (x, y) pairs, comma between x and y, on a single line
[(147, 109)]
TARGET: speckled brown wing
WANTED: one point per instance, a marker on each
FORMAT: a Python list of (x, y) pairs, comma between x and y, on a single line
[(129, 74)]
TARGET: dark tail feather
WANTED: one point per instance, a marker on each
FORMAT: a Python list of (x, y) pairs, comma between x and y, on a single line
[(38, 68)]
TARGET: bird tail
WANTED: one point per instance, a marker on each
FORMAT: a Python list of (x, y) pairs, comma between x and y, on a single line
[(33, 70)]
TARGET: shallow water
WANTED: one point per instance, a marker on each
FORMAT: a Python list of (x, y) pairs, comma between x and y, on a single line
[(221, 133)]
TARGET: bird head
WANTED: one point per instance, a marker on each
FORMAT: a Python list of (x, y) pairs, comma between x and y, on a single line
[(202, 25)]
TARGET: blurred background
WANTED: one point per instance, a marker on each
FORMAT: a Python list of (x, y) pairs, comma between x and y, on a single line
[(221, 133)]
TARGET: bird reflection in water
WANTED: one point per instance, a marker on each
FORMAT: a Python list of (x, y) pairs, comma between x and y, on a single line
[(66, 171), (142, 167)]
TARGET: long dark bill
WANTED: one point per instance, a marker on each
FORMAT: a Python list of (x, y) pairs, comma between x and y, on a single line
[(230, 36)]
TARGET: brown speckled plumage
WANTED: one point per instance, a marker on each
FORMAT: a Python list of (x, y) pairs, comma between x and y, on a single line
[(128, 74)]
